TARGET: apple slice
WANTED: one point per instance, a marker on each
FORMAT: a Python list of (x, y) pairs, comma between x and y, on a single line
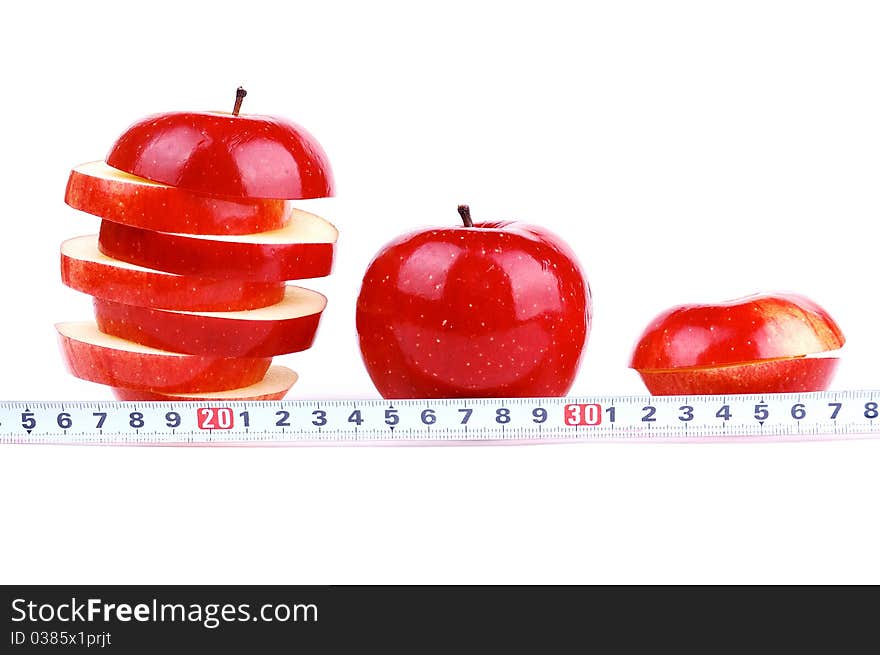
[(788, 375), (97, 357), (302, 249), (86, 269), (114, 195), (286, 327), (276, 384)]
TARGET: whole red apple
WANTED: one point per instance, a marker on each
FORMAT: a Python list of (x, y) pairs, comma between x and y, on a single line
[(756, 344), (228, 155), (491, 309)]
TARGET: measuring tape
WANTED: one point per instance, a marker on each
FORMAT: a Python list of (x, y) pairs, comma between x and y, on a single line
[(776, 417)]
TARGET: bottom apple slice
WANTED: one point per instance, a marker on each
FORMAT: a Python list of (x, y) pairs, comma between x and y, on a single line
[(97, 357), (787, 375), (276, 384)]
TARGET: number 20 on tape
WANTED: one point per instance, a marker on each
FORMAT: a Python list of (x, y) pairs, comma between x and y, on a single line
[(583, 414), (216, 418)]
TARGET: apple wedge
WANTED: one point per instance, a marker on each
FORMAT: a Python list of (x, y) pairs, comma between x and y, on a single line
[(302, 249), (91, 355), (787, 375), (114, 195), (286, 327), (276, 384), (87, 269)]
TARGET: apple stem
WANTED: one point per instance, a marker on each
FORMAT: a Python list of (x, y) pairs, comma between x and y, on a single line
[(465, 212), (240, 93)]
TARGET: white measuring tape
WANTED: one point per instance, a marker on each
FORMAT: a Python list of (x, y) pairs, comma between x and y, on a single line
[(776, 417)]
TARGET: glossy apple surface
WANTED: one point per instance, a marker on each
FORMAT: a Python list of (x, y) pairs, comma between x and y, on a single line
[(244, 156), (302, 249), (114, 195), (97, 357), (754, 344), (274, 386), (495, 310), (286, 327), (86, 269)]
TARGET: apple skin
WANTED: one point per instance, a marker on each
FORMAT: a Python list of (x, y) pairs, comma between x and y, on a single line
[(277, 383), (113, 363), (209, 333), (788, 375), (234, 156), (110, 279), (761, 326), (754, 344), (499, 309), (220, 259), (97, 189)]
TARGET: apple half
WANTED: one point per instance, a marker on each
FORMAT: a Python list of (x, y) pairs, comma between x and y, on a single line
[(221, 154), (274, 386), (92, 355), (87, 269), (302, 249), (117, 196), (286, 327), (764, 343)]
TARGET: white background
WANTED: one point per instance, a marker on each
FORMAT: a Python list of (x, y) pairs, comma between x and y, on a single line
[(689, 151)]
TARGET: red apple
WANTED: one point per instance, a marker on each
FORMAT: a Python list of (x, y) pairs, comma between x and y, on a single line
[(116, 196), (758, 344), (86, 269), (97, 357), (231, 155), (286, 327), (276, 384), (302, 249), (491, 310)]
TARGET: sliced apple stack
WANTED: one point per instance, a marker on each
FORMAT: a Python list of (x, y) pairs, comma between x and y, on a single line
[(198, 241)]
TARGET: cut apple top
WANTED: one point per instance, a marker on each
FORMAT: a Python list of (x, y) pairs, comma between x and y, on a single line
[(302, 249), (85, 268), (758, 327), (217, 154), (115, 195)]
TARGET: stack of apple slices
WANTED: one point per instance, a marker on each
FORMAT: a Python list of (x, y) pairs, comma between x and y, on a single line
[(191, 293)]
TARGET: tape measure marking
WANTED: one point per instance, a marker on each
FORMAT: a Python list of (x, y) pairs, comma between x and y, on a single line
[(777, 417)]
